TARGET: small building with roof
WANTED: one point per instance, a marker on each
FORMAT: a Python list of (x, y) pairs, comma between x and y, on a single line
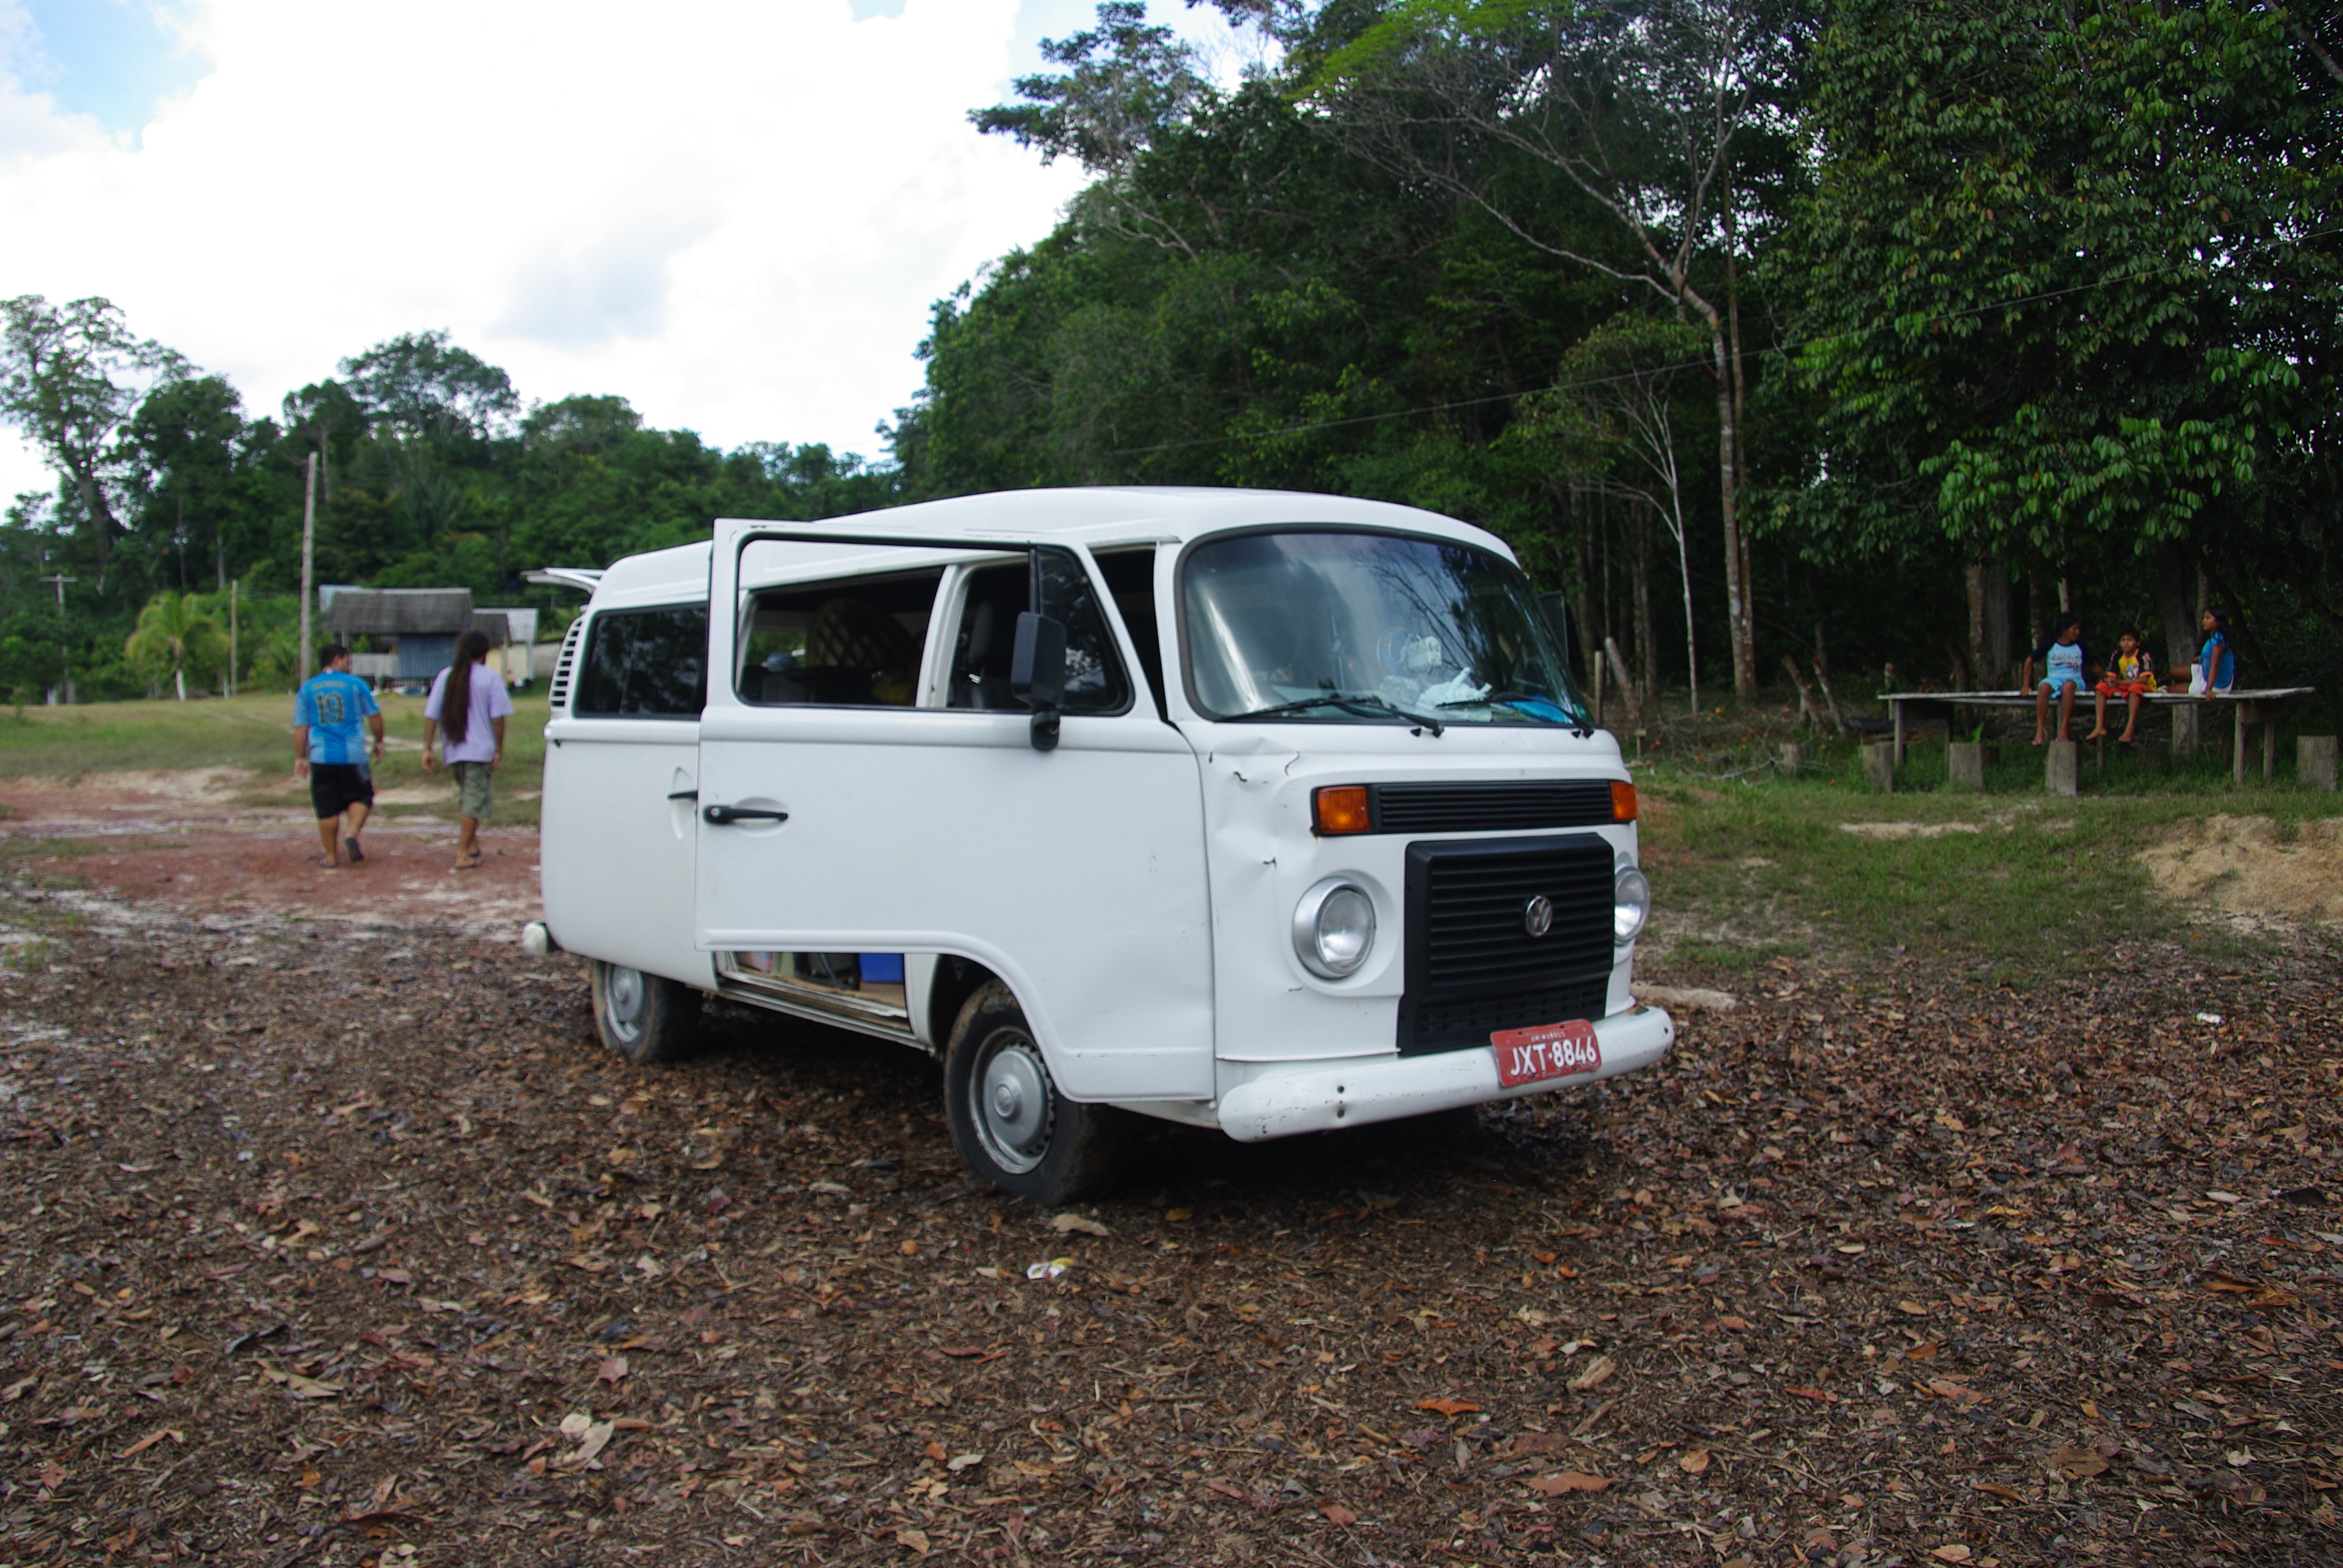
[(419, 626)]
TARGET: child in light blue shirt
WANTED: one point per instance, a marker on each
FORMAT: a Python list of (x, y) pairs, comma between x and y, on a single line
[(2066, 666)]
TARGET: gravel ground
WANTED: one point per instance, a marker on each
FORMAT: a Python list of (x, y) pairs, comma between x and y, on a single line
[(337, 1245)]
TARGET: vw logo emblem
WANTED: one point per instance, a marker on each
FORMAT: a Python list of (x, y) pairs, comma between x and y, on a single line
[(1537, 915)]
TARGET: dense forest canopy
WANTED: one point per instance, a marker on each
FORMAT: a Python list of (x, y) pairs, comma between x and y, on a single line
[(1841, 329)]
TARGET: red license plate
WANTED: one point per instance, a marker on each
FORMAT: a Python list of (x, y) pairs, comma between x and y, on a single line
[(1549, 1051)]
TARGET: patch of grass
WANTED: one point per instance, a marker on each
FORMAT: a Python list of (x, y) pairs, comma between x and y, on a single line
[(2024, 884), (255, 732)]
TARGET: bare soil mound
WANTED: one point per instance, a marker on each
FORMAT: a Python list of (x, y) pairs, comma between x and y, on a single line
[(2239, 864)]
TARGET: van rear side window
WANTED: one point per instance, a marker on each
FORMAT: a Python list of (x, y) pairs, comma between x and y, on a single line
[(644, 664), (852, 644)]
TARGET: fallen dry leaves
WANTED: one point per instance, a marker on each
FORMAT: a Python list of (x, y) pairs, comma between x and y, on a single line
[(1878, 1249)]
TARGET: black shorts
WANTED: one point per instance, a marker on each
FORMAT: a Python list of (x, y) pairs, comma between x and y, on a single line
[(336, 786)]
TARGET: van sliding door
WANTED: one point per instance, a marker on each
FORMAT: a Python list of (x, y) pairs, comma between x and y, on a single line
[(868, 786)]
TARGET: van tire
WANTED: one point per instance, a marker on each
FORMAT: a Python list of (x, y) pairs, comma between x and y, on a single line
[(646, 1019), (1031, 1141)]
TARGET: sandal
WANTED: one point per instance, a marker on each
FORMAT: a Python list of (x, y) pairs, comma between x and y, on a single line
[(472, 865), (329, 865), (356, 853)]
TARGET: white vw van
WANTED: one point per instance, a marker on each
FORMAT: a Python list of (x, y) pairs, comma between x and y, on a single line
[(1269, 812)]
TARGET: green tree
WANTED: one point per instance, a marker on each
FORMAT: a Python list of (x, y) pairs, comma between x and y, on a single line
[(1611, 421), (2070, 286), (193, 475), (173, 629), (70, 377), (1664, 116)]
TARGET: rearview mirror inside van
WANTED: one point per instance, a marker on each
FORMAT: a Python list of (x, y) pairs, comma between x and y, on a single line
[(1036, 674)]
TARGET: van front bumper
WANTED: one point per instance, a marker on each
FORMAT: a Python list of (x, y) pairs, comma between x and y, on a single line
[(1319, 1098)]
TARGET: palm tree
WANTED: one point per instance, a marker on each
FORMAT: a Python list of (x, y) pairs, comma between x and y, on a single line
[(172, 628)]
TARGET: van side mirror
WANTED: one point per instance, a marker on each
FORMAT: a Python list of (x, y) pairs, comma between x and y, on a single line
[(1036, 674)]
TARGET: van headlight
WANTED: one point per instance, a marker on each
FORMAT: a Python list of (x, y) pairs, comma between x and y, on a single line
[(1334, 927), (1631, 904)]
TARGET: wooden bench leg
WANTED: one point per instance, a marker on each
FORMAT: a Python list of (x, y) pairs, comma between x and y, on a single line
[(2269, 750), (1898, 709), (2238, 759)]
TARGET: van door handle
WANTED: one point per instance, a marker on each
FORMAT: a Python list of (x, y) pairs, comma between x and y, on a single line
[(685, 795), (718, 816)]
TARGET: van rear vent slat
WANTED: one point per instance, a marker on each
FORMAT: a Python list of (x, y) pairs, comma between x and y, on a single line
[(564, 665)]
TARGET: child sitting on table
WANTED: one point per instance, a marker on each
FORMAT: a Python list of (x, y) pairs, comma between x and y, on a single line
[(2131, 677), (2066, 666), (2215, 670)]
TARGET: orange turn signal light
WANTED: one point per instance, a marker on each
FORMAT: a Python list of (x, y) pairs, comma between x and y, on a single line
[(1622, 801), (1339, 809)]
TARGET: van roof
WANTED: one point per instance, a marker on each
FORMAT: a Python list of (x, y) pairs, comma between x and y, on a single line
[(1098, 516)]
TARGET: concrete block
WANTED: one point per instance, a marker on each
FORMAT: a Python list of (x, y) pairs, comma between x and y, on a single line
[(2063, 768), (1793, 759), (1879, 765), (2315, 757), (1965, 761)]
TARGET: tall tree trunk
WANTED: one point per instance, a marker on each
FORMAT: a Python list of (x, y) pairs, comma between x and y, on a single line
[(1586, 610), (101, 518), (1972, 576), (1736, 603), (2037, 605), (2000, 627), (1647, 648), (1748, 579), (2174, 581)]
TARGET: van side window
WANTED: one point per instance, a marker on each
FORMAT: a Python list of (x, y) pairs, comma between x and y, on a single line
[(1130, 580), (987, 636), (851, 644), (644, 664)]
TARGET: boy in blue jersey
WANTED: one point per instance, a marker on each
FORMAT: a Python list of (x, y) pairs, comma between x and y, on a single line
[(331, 713)]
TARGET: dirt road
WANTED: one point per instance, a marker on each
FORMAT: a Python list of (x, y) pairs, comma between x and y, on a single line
[(340, 1241), (189, 841)]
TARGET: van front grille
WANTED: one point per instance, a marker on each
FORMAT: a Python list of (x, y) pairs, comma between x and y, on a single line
[(1471, 956), (1502, 805)]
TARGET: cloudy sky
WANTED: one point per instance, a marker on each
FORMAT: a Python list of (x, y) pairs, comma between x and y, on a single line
[(733, 213)]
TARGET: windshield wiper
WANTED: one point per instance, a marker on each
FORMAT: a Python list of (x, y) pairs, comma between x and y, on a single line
[(1580, 724), (1363, 702), (1492, 698)]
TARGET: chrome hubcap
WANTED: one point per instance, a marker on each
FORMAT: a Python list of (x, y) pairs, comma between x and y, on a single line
[(1013, 1102), (622, 995)]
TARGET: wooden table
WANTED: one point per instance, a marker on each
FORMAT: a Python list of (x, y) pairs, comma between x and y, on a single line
[(2265, 706)]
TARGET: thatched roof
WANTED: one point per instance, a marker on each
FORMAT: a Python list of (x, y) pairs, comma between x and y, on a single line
[(388, 612)]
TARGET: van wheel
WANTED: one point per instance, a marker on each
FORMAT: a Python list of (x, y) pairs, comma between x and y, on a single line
[(646, 1019), (1009, 1122)]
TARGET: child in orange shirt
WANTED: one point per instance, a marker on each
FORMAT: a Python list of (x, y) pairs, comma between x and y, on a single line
[(2130, 674)]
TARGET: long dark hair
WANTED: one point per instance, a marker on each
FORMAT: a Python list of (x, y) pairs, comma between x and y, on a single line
[(456, 701)]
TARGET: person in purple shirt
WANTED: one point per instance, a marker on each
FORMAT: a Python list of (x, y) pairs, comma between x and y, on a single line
[(468, 704)]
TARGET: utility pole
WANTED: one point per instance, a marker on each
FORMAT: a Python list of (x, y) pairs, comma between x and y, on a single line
[(309, 588), (64, 654)]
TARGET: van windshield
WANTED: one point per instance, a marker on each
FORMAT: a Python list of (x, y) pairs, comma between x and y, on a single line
[(1357, 628)]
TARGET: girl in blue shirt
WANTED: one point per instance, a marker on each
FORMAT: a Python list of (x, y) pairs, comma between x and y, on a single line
[(2216, 662)]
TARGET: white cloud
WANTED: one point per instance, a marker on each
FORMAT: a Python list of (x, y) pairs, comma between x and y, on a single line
[(734, 213)]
